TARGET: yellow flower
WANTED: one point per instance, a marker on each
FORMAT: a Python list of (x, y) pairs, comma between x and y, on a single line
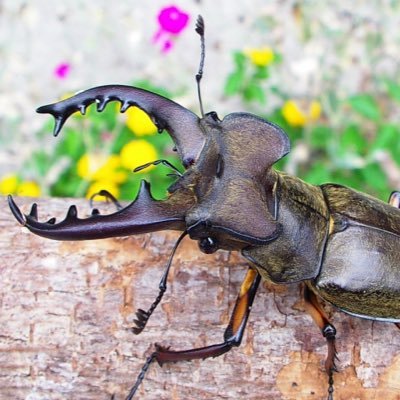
[(88, 164), (136, 153), (295, 116), (11, 184), (97, 186), (8, 184), (261, 57), (101, 167), (28, 188), (315, 110), (139, 122)]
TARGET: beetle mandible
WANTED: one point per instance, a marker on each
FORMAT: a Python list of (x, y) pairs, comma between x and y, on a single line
[(343, 244)]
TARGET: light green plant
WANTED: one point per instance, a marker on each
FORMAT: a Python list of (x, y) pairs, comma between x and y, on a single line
[(342, 140)]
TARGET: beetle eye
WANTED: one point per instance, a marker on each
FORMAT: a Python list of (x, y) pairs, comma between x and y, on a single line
[(187, 162), (208, 245)]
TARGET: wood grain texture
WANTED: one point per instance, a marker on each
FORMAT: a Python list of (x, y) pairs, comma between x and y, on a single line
[(66, 309)]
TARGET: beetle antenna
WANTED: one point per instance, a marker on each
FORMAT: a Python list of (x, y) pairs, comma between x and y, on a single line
[(199, 75), (166, 163)]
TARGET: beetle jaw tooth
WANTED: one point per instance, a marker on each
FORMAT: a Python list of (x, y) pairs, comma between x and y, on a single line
[(16, 211)]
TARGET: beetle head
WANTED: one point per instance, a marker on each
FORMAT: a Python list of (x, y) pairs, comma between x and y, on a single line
[(223, 200)]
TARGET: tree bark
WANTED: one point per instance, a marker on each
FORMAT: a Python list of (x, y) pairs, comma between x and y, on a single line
[(67, 309)]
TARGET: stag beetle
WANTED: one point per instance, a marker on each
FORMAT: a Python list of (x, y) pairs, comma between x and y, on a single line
[(343, 244)]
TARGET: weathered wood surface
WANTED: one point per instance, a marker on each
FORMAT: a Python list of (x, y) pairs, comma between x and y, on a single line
[(66, 309)]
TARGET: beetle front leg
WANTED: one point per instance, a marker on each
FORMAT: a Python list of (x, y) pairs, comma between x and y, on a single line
[(232, 337), (319, 316), (108, 196)]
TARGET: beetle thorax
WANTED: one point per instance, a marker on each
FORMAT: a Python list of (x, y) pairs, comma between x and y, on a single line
[(232, 187)]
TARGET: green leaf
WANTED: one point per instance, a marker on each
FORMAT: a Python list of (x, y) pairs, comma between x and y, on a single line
[(374, 176), (318, 174), (40, 162), (253, 92), (130, 188), (349, 177), (67, 185), (366, 106), (388, 135), (71, 145), (277, 91), (320, 136), (278, 58), (393, 89), (395, 152), (261, 73), (234, 83), (239, 59), (352, 140)]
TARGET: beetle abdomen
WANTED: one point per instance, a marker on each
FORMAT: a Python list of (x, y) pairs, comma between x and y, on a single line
[(360, 272)]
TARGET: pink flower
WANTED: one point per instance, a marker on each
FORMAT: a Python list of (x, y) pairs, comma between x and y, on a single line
[(62, 70), (172, 22)]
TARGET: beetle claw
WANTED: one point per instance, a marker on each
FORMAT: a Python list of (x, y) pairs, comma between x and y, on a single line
[(139, 327), (144, 214), (142, 316), (136, 330), (182, 124), (141, 313), (141, 321)]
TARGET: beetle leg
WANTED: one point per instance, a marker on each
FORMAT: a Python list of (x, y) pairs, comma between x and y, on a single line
[(319, 316), (232, 337), (108, 196)]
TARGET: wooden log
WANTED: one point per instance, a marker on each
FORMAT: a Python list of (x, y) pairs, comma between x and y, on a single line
[(67, 309)]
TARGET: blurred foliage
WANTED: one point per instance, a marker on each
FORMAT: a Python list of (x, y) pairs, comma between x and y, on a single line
[(334, 139), (251, 69)]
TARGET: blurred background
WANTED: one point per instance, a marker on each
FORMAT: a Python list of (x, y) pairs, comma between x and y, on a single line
[(327, 72)]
